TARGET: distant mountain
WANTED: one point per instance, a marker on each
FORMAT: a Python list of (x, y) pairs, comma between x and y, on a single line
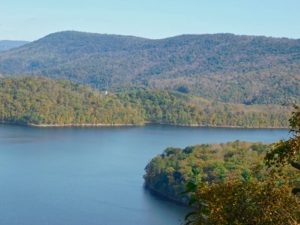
[(6, 45), (226, 67)]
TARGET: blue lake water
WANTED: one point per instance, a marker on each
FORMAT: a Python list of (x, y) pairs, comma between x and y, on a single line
[(94, 176)]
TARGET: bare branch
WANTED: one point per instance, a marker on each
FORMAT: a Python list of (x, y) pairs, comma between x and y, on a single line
[(296, 165)]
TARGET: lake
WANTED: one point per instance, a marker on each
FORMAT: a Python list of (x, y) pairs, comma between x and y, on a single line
[(94, 176)]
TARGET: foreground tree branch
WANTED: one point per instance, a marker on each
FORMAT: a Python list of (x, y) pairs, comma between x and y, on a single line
[(296, 165)]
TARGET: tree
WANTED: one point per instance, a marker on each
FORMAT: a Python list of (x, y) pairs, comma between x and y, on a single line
[(287, 152), (235, 202), (260, 202)]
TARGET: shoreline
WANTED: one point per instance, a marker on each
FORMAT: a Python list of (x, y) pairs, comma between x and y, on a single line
[(82, 125), (87, 125), (163, 196), (215, 126)]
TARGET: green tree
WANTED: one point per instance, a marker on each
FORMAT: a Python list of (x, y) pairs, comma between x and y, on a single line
[(287, 152), (252, 201)]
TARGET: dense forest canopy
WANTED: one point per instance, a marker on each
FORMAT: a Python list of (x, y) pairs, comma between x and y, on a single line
[(268, 197), (38, 100), (44, 101), (224, 67), (169, 174)]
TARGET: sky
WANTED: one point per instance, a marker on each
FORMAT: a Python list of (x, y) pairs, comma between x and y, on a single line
[(33, 19)]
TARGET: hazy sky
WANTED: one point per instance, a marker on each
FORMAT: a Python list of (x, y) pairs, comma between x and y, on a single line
[(32, 19)]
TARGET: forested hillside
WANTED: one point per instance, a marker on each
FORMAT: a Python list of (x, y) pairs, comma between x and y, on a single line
[(224, 67), (41, 101), (182, 109), (169, 173)]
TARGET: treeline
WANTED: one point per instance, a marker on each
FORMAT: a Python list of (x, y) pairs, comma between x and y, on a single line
[(182, 109), (169, 174), (30, 100)]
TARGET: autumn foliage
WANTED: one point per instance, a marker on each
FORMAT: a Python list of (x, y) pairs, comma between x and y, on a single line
[(253, 202), (244, 203)]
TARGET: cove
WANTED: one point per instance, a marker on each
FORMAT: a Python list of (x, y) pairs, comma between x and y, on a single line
[(94, 176)]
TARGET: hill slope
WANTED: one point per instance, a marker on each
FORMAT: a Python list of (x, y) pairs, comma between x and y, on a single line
[(169, 173), (226, 67), (41, 101), (6, 44)]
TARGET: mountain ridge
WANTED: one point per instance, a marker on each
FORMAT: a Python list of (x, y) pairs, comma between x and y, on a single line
[(168, 37), (224, 67)]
